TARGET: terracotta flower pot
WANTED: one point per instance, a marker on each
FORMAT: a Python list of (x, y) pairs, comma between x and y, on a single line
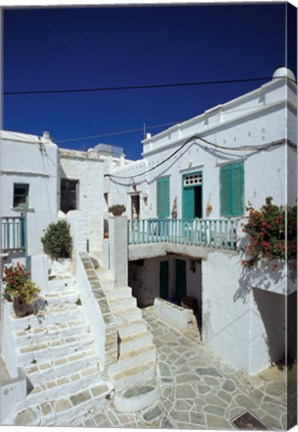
[(21, 309)]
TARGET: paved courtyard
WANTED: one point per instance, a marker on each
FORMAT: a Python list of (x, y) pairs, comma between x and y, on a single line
[(198, 390)]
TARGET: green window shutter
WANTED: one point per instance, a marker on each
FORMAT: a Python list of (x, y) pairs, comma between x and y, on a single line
[(232, 190), (188, 203), (237, 174), (163, 197), (224, 191)]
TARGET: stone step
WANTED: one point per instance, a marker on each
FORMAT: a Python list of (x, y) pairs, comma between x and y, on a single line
[(54, 349), (128, 315), (122, 304), (135, 341), (49, 316), (37, 334), (67, 384), (55, 298), (128, 377), (134, 358), (65, 411), (60, 284), (117, 293), (131, 327), (50, 370), (138, 397)]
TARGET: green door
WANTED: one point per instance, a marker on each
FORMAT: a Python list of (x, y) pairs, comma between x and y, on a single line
[(188, 203), (163, 197), (192, 191), (164, 279), (180, 279)]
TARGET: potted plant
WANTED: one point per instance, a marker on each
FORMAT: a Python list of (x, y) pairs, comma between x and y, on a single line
[(20, 290), (117, 209)]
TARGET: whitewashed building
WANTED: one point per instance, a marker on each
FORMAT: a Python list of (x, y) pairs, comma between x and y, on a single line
[(204, 172), (185, 201)]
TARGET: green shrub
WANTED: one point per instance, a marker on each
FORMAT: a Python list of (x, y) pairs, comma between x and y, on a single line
[(57, 241)]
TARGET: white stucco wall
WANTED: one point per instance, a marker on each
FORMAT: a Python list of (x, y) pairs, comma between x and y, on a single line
[(258, 118), (243, 319), (87, 168), (30, 160)]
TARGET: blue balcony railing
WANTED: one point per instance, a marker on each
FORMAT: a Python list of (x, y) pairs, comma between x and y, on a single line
[(217, 233), (13, 234)]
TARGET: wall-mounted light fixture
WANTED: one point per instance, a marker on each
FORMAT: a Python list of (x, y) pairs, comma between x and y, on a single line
[(145, 198)]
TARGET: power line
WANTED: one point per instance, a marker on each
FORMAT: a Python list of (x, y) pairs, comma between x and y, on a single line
[(148, 127), (116, 133), (137, 87), (239, 148)]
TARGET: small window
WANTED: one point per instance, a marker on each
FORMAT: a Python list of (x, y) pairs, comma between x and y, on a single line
[(20, 195), (69, 195)]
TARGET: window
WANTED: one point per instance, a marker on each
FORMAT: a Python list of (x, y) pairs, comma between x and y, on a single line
[(69, 195), (20, 195), (163, 197), (232, 189)]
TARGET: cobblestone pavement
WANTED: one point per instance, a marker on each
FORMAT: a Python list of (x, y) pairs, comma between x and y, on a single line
[(198, 390)]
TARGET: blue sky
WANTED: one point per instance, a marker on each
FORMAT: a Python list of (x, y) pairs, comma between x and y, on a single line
[(69, 48)]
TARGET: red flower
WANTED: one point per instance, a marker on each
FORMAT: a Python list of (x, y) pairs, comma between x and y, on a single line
[(265, 244)]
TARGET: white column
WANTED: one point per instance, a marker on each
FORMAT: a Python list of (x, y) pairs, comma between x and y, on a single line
[(118, 249)]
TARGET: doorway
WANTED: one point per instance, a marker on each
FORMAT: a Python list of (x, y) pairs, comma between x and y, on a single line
[(164, 279), (135, 206), (180, 271), (192, 196)]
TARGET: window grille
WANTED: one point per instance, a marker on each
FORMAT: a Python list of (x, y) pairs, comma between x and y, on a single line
[(193, 179)]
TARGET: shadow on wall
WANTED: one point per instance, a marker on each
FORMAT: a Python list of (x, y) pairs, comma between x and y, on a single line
[(263, 277), (271, 308)]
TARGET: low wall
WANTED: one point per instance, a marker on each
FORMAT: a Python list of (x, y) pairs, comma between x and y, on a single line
[(172, 314), (8, 345), (13, 395), (97, 311), (40, 272)]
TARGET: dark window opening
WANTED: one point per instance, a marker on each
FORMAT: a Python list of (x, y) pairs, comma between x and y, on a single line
[(69, 195), (20, 195), (198, 201)]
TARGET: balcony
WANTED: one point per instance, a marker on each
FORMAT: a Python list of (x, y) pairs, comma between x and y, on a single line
[(214, 233), (13, 234)]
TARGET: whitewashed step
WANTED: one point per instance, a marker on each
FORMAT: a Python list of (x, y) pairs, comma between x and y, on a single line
[(117, 293), (63, 329), (49, 370), (64, 385), (49, 316), (131, 376), (134, 358), (131, 327), (125, 316), (55, 298), (66, 410), (54, 349), (122, 304), (135, 341), (61, 284)]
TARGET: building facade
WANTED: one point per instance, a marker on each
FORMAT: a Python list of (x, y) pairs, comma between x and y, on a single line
[(185, 201)]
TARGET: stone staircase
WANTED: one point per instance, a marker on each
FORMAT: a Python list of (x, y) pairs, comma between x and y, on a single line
[(133, 376), (57, 351)]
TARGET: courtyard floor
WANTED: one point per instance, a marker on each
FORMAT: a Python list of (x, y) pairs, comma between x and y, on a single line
[(198, 390)]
